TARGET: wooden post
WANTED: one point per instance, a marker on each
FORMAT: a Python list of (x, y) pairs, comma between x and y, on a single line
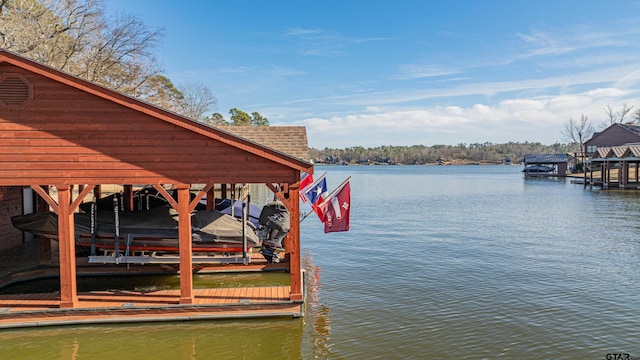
[(97, 191), (128, 198), (66, 243), (44, 248), (293, 243), (184, 236), (211, 198)]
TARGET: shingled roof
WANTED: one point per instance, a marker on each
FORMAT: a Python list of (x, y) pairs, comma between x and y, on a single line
[(289, 140), (545, 158)]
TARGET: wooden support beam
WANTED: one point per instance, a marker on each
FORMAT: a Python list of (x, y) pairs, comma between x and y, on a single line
[(46, 197), (41, 203), (127, 197), (184, 238), (85, 191), (200, 195), (279, 194), (211, 199), (166, 196), (44, 248), (292, 243), (97, 191), (67, 253), (223, 191)]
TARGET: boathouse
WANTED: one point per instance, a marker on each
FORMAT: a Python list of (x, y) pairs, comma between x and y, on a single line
[(66, 136), (541, 165), (615, 135), (615, 167), (612, 157)]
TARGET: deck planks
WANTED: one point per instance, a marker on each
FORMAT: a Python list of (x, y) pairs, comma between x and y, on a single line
[(28, 310)]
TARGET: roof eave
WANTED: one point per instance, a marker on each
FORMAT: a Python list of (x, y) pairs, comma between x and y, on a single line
[(154, 111)]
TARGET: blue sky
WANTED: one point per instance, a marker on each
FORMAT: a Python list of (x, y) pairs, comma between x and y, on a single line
[(405, 72)]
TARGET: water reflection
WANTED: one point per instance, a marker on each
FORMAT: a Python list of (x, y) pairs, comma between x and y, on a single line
[(268, 339), (146, 283), (317, 319), (233, 339)]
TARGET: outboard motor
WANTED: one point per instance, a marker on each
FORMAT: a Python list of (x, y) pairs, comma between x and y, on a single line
[(275, 223)]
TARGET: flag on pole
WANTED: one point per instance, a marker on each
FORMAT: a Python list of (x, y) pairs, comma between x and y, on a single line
[(305, 181), (314, 192), (336, 209)]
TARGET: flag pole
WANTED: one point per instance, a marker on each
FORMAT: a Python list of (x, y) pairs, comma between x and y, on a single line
[(336, 190), (316, 181), (328, 197), (306, 215)]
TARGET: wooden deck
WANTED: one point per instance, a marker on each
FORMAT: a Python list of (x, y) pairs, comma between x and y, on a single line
[(31, 310)]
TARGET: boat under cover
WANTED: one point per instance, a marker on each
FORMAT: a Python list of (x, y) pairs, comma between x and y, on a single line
[(152, 230), (538, 169)]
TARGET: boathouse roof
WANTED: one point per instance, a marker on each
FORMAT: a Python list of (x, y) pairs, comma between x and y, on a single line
[(61, 129), (617, 153), (545, 158)]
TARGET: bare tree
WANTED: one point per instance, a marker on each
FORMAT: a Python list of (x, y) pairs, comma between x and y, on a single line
[(626, 108), (577, 132), (611, 116), (75, 36), (198, 99), (616, 116)]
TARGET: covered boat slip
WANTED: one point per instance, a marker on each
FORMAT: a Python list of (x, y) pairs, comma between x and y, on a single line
[(124, 234), (58, 132), (545, 165), (614, 167)]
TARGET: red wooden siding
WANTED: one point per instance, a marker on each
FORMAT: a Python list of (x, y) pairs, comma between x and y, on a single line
[(58, 138)]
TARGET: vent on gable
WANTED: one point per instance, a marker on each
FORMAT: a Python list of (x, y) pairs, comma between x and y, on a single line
[(16, 91)]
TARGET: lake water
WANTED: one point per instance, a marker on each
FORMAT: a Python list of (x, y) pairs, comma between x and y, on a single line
[(441, 262)]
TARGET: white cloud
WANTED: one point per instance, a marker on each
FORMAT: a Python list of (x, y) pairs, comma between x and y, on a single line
[(536, 119)]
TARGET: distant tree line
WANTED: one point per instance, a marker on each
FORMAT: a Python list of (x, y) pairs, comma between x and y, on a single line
[(481, 153)]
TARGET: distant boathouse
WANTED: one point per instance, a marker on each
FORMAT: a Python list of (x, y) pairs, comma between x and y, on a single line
[(545, 165)]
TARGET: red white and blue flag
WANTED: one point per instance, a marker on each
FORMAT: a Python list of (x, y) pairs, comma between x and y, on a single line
[(316, 191), (305, 181)]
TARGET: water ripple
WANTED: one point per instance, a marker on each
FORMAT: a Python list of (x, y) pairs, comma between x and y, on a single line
[(481, 265)]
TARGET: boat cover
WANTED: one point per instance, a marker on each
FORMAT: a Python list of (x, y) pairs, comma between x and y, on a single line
[(208, 226)]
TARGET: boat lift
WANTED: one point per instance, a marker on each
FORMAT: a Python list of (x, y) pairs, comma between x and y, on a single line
[(116, 257)]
